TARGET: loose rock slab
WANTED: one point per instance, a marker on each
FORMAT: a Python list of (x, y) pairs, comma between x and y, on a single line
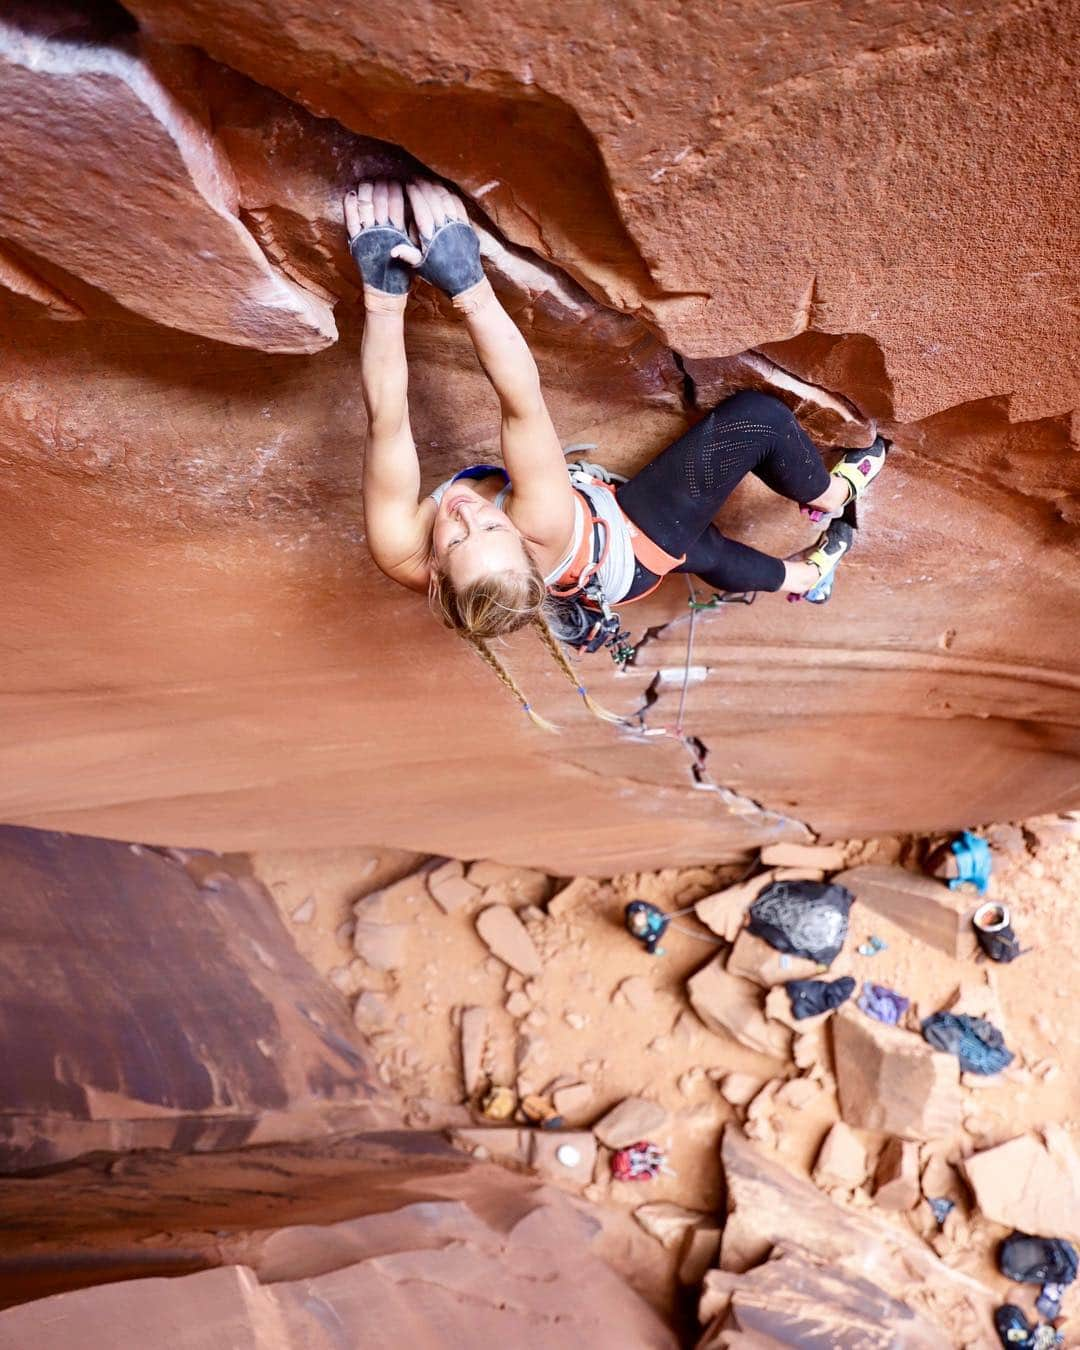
[(725, 911), (474, 1037), (633, 1119), (921, 906), (825, 857), (753, 959), (667, 1222), (767, 1206), (896, 1177), (507, 938), (572, 1099), (890, 1079), (740, 1088), (726, 1003), (1025, 1185), (841, 1160), (449, 888)]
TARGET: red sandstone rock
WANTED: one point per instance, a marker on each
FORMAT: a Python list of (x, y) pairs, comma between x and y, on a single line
[(841, 1161), (726, 1003), (449, 888), (155, 1014), (382, 945), (507, 938), (121, 185), (798, 1093), (628, 133), (725, 911), (632, 1119), (1024, 1185), (474, 1036), (573, 1099), (825, 857), (700, 1250), (890, 1079), (824, 1257), (225, 488), (17, 277), (669, 1223), (896, 1176), (753, 959), (829, 420), (439, 1277), (563, 1155), (740, 1088)]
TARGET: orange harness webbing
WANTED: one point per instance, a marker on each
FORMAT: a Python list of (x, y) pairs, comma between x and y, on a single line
[(589, 556)]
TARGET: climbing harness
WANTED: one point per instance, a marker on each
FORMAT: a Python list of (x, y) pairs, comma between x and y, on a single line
[(583, 617)]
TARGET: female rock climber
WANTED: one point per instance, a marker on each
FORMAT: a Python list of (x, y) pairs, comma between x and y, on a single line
[(496, 548)]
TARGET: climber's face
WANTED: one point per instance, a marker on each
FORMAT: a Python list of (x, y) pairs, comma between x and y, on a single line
[(472, 537)]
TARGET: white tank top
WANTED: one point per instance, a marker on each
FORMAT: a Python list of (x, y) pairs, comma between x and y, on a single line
[(616, 573)]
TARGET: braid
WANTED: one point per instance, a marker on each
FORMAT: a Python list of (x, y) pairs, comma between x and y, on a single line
[(554, 646), (486, 654)]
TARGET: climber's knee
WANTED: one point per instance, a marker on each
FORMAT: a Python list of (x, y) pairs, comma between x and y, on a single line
[(750, 404)]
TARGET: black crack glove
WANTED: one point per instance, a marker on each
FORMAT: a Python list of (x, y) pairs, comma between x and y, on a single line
[(371, 251), (452, 258), (449, 255), (375, 221)]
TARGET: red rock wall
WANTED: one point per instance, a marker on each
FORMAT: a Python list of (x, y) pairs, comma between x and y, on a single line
[(198, 649), (143, 1010)]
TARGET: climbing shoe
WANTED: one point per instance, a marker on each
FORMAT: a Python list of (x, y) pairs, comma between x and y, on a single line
[(825, 555), (858, 469)]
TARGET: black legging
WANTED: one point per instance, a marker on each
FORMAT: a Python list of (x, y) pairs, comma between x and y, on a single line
[(673, 499)]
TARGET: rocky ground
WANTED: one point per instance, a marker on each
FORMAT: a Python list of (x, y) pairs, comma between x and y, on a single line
[(469, 975)]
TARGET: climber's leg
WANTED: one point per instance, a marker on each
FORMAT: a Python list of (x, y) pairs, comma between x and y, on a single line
[(727, 565), (674, 499)]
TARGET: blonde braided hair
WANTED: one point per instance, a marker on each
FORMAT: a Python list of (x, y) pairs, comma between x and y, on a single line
[(555, 647), (496, 605), (486, 654)]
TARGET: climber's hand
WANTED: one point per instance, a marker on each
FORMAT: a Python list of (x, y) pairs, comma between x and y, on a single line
[(375, 221), (449, 254)]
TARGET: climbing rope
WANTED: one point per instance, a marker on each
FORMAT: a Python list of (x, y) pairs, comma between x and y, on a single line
[(694, 608)]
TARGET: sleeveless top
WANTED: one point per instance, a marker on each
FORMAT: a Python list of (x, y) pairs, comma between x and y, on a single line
[(605, 544)]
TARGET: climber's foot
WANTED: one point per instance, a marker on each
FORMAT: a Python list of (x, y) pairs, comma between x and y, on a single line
[(848, 481), (812, 572)]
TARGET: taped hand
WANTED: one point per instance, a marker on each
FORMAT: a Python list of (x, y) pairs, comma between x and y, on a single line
[(375, 220), (449, 256)]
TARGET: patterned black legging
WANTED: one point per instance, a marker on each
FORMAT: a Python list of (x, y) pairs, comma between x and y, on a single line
[(674, 499)]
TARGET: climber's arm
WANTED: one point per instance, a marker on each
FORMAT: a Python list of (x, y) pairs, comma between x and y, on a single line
[(542, 496), (542, 501), (398, 524)]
